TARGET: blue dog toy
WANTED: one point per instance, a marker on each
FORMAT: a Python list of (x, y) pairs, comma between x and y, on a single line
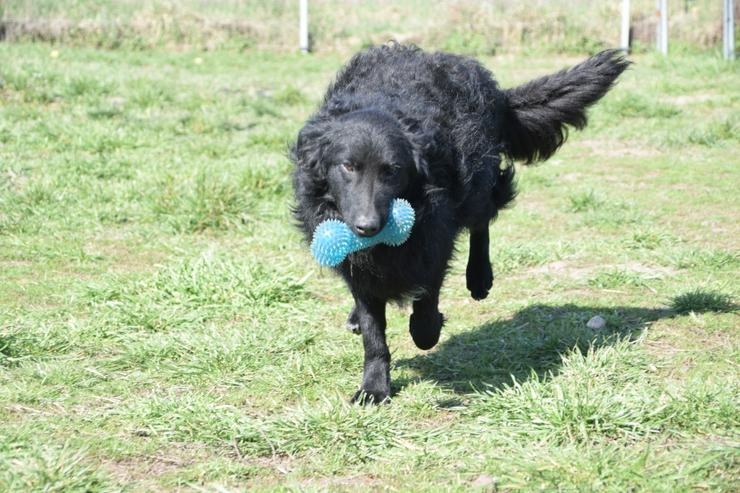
[(333, 240)]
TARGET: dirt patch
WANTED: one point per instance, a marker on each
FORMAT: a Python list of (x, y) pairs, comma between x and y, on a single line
[(571, 270), (14, 180), (354, 481), (8, 264), (562, 268), (650, 270), (123, 251), (571, 177), (676, 349), (686, 99), (615, 148), (148, 467)]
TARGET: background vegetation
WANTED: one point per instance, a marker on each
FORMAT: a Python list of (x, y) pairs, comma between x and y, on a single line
[(469, 26), (162, 326)]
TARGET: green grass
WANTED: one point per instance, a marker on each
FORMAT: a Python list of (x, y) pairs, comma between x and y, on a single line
[(163, 327)]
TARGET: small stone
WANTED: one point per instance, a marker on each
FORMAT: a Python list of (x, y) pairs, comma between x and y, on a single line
[(597, 322), (482, 480)]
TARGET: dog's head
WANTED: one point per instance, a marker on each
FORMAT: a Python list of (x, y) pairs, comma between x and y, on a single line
[(363, 160)]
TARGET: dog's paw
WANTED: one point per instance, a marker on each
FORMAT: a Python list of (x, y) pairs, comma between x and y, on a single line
[(425, 329), (479, 280), (366, 397), (353, 322)]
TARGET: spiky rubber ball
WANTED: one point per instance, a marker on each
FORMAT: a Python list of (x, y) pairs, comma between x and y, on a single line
[(333, 240)]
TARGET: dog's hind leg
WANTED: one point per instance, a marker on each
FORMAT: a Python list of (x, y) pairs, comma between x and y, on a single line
[(376, 378), (426, 322), (479, 275)]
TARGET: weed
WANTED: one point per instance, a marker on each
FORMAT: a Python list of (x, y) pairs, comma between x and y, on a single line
[(584, 201), (637, 105), (701, 301), (650, 240), (712, 259), (616, 278)]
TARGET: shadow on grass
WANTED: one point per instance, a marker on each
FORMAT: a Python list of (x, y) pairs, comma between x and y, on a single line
[(534, 339)]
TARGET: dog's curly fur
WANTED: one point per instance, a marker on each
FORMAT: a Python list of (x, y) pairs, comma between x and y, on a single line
[(436, 129)]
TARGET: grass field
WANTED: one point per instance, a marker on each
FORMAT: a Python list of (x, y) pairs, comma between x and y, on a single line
[(162, 326)]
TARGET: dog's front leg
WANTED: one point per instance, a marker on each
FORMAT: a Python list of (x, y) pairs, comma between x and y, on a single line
[(376, 379), (479, 275), (426, 322)]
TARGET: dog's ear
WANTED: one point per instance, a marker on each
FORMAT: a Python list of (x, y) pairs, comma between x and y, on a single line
[(313, 202), (309, 149), (422, 144)]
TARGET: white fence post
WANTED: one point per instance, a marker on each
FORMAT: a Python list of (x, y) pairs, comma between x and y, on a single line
[(661, 31), (625, 42), (303, 26), (729, 31)]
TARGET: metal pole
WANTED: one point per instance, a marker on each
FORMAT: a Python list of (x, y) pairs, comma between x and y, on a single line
[(303, 26), (625, 42), (729, 31), (661, 31)]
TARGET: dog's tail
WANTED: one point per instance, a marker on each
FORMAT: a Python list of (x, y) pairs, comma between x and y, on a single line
[(537, 112)]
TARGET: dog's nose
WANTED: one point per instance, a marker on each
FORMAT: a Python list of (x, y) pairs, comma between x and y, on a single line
[(367, 227)]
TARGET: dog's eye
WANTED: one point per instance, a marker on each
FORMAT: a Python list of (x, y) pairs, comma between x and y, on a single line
[(349, 167)]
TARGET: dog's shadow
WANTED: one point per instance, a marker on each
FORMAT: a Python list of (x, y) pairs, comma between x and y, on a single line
[(533, 340)]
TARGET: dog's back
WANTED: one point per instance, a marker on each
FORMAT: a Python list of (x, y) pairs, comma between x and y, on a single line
[(469, 123)]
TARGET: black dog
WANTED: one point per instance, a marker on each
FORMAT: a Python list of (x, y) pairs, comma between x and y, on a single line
[(436, 130)]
